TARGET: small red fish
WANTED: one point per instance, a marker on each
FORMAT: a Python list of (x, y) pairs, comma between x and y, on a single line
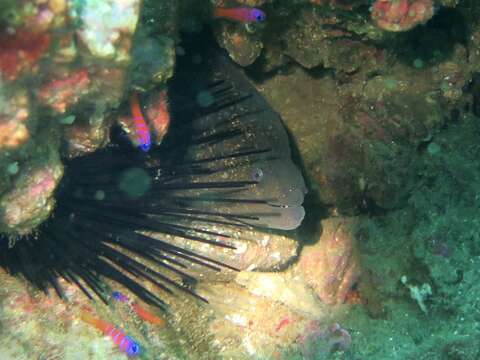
[(240, 14), (124, 342), (146, 315), (142, 313), (143, 132), (283, 322)]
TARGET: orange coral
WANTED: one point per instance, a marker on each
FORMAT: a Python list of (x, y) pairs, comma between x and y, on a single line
[(401, 15), (13, 134), (13, 119)]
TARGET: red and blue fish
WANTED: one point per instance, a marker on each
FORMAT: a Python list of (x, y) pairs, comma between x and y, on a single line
[(124, 342), (240, 14), (143, 131)]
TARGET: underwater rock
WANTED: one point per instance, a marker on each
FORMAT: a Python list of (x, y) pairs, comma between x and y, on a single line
[(360, 128), (284, 287), (20, 52), (331, 266), (244, 48), (63, 62), (84, 138), (342, 4), (275, 316), (14, 117), (66, 90), (401, 15), (254, 250), (153, 60), (315, 39), (54, 327), (248, 326), (106, 26), (32, 198), (13, 134), (319, 342), (358, 133)]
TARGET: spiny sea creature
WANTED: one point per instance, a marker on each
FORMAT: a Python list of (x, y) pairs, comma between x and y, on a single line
[(224, 164), (240, 14)]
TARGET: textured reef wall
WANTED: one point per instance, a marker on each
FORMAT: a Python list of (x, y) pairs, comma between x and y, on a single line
[(63, 66), (381, 99)]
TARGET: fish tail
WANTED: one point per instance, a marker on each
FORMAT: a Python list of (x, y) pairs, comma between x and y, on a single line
[(89, 318), (225, 13), (218, 12), (95, 322)]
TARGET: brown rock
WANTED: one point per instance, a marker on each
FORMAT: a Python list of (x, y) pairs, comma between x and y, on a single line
[(331, 266), (243, 48)]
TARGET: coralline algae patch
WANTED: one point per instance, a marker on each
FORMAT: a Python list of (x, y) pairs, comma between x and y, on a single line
[(65, 91), (401, 15), (45, 325), (277, 315), (68, 59), (51, 68), (254, 321), (14, 117), (35, 200), (32, 198)]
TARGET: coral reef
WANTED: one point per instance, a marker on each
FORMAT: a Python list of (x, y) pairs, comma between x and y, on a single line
[(51, 70), (382, 99), (331, 266)]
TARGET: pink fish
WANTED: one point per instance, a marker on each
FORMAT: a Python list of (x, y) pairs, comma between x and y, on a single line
[(143, 131), (124, 342), (240, 14)]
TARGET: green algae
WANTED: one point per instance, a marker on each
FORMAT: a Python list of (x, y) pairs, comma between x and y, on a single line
[(391, 84), (12, 168), (134, 182), (418, 63), (67, 120), (433, 240)]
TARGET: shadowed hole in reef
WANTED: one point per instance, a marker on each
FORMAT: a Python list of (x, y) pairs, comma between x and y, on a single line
[(434, 42), (474, 89)]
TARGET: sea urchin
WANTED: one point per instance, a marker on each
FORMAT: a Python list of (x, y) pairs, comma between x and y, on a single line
[(224, 163)]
